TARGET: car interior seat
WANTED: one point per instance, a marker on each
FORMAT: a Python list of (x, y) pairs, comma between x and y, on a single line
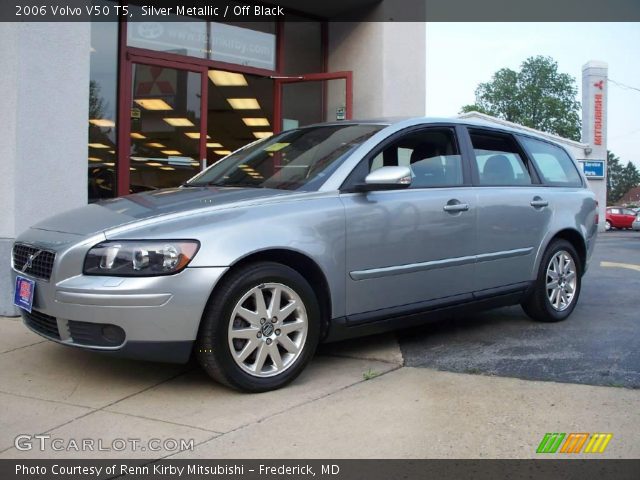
[(498, 171), (426, 165)]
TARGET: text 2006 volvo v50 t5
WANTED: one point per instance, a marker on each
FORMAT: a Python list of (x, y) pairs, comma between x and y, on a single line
[(316, 234)]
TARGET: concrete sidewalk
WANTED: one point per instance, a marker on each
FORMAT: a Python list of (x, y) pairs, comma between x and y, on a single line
[(334, 410)]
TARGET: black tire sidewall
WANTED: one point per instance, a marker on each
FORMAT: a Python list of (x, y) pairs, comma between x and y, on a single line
[(213, 350)]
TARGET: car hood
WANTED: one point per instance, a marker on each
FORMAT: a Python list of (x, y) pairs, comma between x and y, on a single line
[(101, 216)]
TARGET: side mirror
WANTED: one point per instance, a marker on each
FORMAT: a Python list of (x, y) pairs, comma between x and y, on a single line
[(386, 178)]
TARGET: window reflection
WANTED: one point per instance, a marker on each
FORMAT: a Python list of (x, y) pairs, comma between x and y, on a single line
[(102, 109), (240, 110), (165, 127), (185, 36)]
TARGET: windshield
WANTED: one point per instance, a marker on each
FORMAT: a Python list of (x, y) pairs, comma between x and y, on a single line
[(294, 160)]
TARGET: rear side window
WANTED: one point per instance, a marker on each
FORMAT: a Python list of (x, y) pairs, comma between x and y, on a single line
[(553, 163), (498, 159)]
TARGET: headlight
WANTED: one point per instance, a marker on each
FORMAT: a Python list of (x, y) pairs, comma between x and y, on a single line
[(139, 258)]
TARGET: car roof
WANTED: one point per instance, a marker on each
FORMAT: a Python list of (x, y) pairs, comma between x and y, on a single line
[(412, 121)]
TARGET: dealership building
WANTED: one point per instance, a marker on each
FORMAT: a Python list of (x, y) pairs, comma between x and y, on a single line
[(99, 110)]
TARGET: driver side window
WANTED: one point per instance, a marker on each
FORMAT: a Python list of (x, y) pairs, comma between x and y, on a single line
[(432, 155)]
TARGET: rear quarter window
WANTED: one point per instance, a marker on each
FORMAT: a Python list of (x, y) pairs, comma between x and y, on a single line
[(554, 164)]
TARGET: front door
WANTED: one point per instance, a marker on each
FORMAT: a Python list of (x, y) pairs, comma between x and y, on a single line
[(408, 248)]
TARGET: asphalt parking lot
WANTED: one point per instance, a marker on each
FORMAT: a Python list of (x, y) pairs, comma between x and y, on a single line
[(598, 345)]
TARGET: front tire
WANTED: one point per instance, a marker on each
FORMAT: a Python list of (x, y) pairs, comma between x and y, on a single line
[(260, 328), (557, 286)]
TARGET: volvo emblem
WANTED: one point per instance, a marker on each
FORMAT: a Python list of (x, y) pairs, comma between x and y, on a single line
[(267, 329), (29, 263)]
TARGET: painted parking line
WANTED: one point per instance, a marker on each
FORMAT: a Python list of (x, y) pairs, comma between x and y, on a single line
[(629, 266)]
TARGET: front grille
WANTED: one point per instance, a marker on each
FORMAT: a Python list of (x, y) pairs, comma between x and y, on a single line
[(41, 262), (42, 323)]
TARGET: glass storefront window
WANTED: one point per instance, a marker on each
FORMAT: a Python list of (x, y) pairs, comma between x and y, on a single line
[(250, 44), (240, 110), (188, 37), (302, 48), (103, 103), (165, 127), (244, 44)]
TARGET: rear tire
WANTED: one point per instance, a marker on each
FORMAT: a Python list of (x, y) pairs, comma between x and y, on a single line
[(607, 226), (557, 286), (260, 328)]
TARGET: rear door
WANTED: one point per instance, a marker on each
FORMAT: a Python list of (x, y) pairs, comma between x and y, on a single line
[(513, 210), (406, 248)]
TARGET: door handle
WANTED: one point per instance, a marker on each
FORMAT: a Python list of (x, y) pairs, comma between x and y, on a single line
[(539, 203), (456, 207)]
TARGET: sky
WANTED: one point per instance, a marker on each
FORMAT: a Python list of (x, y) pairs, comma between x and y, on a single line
[(462, 55)]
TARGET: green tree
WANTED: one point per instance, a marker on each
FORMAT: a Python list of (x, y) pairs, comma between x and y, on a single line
[(537, 96), (631, 177), (96, 102), (620, 179), (614, 178)]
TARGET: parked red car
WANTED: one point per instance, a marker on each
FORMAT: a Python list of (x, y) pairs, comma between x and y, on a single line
[(618, 217)]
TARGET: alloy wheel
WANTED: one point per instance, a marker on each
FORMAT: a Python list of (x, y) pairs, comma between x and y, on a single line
[(561, 280), (267, 329)]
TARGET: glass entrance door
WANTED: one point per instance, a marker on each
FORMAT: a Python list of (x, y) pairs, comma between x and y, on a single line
[(240, 107), (167, 137), (313, 98)]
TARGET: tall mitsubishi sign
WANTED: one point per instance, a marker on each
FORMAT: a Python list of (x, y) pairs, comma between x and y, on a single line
[(594, 129)]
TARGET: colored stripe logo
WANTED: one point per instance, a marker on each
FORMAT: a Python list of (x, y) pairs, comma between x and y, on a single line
[(573, 442)]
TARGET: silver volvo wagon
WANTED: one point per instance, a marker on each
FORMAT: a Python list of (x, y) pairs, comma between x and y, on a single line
[(313, 235)]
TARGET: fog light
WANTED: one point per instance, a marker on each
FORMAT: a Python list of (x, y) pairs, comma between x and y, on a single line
[(113, 334)]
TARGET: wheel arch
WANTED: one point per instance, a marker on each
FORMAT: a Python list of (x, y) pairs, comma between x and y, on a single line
[(301, 263), (576, 240)]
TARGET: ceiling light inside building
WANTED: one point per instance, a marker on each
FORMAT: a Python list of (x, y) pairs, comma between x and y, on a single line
[(171, 152), (227, 79), (153, 104), (243, 103), (167, 168), (102, 122), (98, 145), (262, 134), (137, 135), (155, 145), (195, 135), (213, 145), (256, 122), (179, 122), (154, 164), (222, 152)]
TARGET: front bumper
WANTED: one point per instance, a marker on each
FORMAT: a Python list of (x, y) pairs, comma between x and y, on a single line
[(159, 316)]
